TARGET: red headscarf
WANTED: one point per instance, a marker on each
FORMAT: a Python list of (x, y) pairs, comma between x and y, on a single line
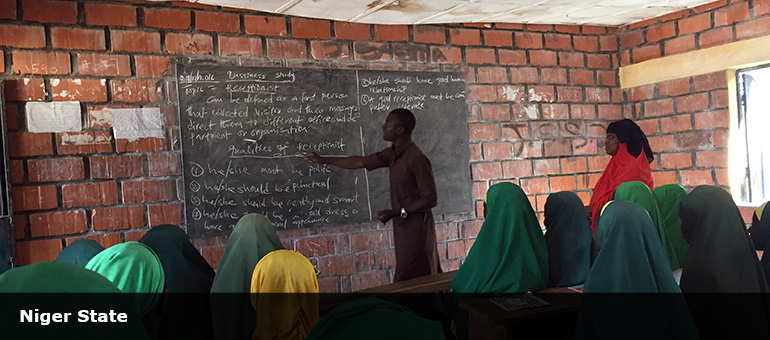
[(623, 167)]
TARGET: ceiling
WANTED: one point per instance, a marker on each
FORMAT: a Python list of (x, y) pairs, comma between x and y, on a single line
[(592, 12)]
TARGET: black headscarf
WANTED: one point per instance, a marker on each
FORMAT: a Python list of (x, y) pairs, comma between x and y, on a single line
[(631, 134), (568, 239)]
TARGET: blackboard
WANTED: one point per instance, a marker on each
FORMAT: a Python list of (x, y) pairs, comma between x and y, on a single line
[(245, 131)]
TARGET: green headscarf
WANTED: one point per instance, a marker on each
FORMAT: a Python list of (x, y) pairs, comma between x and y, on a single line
[(568, 238), (80, 252), (134, 268), (232, 315), (188, 315), (375, 319), (639, 193), (65, 279), (668, 198), (631, 260), (509, 254)]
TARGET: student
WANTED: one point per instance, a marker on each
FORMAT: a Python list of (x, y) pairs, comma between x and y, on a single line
[(187, 313), (67, 288), (640, 194), (232, 316), (80, 252), (568, 238), (284, 294), (758, 236), (412, 195), (721, 259), (631, 158), (374, 319), (631, 260), (668, 198), (508, 256)]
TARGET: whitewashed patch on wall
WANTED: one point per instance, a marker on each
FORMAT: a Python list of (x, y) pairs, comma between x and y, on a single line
[(54, 117), (136, 123)]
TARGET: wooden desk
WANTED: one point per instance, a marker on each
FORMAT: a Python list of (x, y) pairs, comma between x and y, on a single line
[(425, 284), (488, 321)]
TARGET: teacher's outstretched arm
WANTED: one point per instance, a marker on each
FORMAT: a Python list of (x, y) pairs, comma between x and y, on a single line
[(350, 163)]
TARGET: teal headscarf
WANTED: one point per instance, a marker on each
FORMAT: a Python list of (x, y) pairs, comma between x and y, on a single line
[(65, 279), (631, 260), (509, 254), (668, 198), (188, 315), (134, 268), (80, 252), (569, 241), (232, 315), (375, 319), (639, 193)]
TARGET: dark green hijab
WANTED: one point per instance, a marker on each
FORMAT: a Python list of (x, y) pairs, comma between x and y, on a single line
[(764, 227), (188, 281), (65, 279), (668, 198), (509, 254), (80, 252), (640, 193), (631, 260), (232, 315), (374, 319), (568, 238)]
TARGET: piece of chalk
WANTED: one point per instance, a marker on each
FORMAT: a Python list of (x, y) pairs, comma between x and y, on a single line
[(249, 140)]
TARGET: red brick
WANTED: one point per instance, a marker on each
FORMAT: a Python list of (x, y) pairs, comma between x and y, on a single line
[(580, 111), (368, 241), (528, 40), (661, 32), (163, 164), (716, 37), (17, 171), (497, 38), (720, 138), (632, 39), (8, 9), (315, 246), (150, 66), (109, 167), (661, 143), (310, 28), (569, 93), (509, 57), (483, 93), (117, 218), (495, 112), (286, 49), (646, 53), (475, 151), (60, 12), (541, 93), (528, 149), (83, 90), (217, 22), (22, 36), (719, 99), (542, 58), (391, 32), (625, 57), (133, 236), (34, 62), (89, 194), (509, 26), (710, 81), (586, 43), (368, 280), (149, 144), (561, 183), (465, 37), (658, 107), (598, 163), (608, 43), (480, 56), (265, 25), (480, 131), (492, 75), (641, 92), (553, 75), (691, 178), (337, 265), (58, 223), (664, 177), (607, 78), (711, 119), (546, 166), (519, 168), (24, 89), (445, 55), (573, 165), (78, 39), (169, 18), (693, 102), (85, 142), (675, 123), (135, 41), (354, 31), (185, 43), (676, 160), (170, 213), (711, 159), (558, 42), (34, 198), (19, 226), (761, 7), (148, 191), (213, 255), (524, 75), (599, 61), (674, 87), (535, 185), (694, 24), (501, 150), (571, 59), (110, 15), (29, 252), (612, 112), (539, 27), (732, 14), (23, 144), (147, 91), (242, 46), (103, 64), (648, 126), (581, 77), (573, 29), (55, 169), (486, 170), (753, 29)]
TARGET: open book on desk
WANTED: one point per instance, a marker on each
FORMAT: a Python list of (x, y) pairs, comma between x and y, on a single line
[(518, 301)]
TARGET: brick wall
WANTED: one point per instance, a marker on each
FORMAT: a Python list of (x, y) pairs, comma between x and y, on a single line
[(540, 97)]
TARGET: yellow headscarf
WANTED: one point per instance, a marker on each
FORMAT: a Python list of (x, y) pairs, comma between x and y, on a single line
[(287, 315)]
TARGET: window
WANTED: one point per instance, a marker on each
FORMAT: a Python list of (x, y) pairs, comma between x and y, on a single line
[(752, 152)]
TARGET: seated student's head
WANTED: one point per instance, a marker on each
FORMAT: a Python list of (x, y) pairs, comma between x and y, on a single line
[(568, 238), (79, 252), (284, 294), (187, 271)]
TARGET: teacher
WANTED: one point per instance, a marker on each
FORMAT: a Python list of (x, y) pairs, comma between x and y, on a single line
[(412, 195)]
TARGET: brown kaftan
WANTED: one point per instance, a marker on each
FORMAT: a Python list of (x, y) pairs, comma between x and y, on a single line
[(411, 179)]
